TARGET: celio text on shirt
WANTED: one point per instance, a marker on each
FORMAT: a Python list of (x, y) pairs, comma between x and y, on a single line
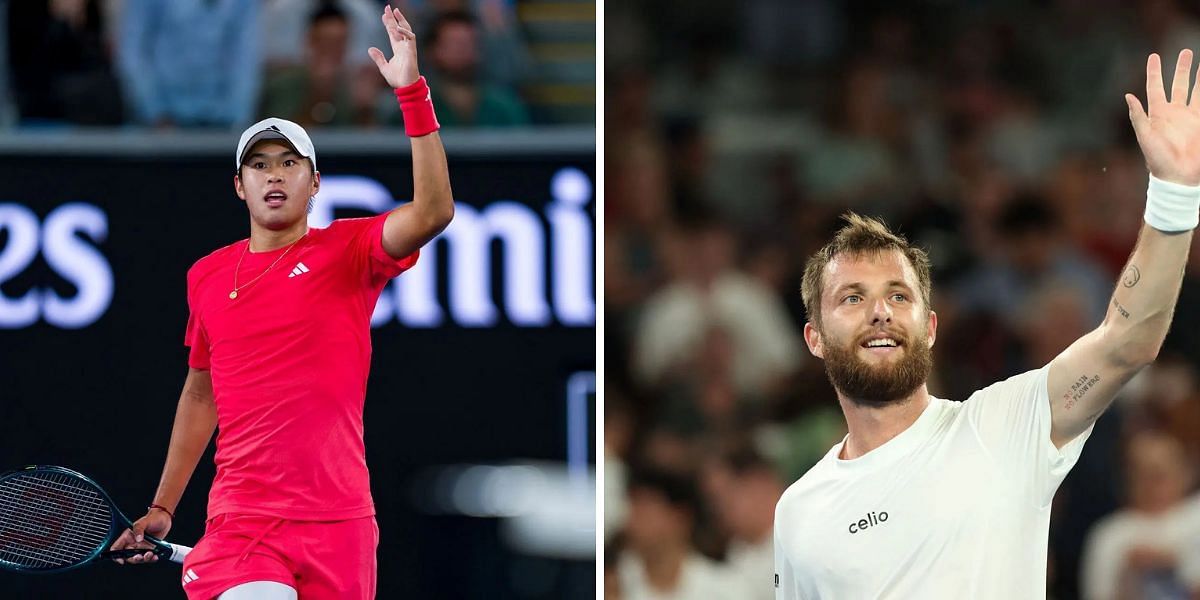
[(870, 520)]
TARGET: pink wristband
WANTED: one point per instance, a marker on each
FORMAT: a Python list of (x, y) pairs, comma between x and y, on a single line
[(417, 108)]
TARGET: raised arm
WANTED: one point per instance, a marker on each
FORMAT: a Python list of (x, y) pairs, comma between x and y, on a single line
[(411, 226), (1084, 379)]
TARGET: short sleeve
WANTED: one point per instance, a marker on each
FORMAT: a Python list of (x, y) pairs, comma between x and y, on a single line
[(1012, 419), (786, 587), (195, 338), (366, 245)]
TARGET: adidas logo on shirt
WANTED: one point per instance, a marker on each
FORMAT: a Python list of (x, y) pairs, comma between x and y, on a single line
[(299, 270), (190, 576)]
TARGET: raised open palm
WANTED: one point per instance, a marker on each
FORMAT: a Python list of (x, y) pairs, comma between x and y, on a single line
[(1169, 133), (401, 70)]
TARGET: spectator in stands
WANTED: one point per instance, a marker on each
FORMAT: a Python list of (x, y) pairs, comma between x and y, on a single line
[(1033, 252), (612, 579), (707, 291), (1166, 397), (661, 561), (285, 26), (619, 422), (60, 63), (461, 93), (191, 63), (506, 60), (1135, 552), (323, 91), (743, 488)]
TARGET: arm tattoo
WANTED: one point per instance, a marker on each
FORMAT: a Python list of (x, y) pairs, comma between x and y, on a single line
[(1131, 277), (1120, 309), (1078, 390)]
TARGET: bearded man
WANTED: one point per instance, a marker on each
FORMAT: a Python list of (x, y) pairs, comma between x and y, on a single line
[(928, 498)]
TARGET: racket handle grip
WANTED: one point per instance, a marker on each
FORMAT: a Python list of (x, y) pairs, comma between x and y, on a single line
[(178, 552)]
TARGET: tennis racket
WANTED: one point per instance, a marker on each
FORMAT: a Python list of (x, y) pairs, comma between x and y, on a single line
[(53, 519)]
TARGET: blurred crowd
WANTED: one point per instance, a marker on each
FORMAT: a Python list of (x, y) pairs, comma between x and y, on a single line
[(226, 63), (993, 134)]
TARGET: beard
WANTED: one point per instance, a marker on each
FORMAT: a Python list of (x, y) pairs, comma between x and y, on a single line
[(879, 385)]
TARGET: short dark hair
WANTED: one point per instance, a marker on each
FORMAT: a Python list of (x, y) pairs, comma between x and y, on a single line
[(679, 490), (744, 460), (1026, 213), (326, 10), (442, 20)]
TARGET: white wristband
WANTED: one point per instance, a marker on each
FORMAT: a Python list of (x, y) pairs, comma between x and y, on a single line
[(1172, 207)]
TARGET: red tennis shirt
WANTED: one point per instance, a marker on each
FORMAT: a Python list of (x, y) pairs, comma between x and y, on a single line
[(289, 359)]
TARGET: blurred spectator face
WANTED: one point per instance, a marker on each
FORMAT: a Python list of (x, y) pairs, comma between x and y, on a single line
[(865, 102), (618, 424), (1031, 251), (1170, 382), (640, 183), (742, 502), (327, 40), (1159, 477), (1055, 319), (456, 51), (668, 449), (654, 522), (1029, 232), (865, 298), (709, 253), (757, 494), (72, 12)]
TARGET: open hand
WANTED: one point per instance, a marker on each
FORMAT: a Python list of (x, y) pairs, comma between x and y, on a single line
[(1169, 133), (401, 70)]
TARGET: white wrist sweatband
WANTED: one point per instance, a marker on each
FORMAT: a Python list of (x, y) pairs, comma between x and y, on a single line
[(1172, 207)]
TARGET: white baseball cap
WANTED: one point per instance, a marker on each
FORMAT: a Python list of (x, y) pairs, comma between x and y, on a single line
[(275, 129)]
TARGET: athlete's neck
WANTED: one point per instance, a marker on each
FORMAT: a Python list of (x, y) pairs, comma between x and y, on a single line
[(873, 426), (265, 240)]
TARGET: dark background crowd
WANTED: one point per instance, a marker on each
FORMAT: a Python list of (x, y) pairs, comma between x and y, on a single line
[(993, 134), (227, 63)]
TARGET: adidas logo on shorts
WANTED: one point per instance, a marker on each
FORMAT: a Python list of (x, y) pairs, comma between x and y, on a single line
[(190, 576)]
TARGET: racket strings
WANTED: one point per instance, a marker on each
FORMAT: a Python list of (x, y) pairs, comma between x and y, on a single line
[(47, 526), (42, 537), (50, 520)]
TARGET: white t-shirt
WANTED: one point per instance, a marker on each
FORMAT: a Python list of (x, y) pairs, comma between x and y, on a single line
[(753, 564), (701, 579), (956, 506), (1112, 537)]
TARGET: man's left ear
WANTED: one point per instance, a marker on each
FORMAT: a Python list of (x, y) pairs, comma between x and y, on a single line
[(316, 184), (932, 328)]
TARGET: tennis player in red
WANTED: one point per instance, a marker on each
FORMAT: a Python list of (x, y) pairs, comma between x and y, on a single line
[(280, 348)]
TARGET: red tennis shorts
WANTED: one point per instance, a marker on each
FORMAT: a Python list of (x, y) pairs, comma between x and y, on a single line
[(322, 560)]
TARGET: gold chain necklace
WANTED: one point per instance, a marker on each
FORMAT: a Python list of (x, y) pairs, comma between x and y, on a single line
[(234, 293)]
